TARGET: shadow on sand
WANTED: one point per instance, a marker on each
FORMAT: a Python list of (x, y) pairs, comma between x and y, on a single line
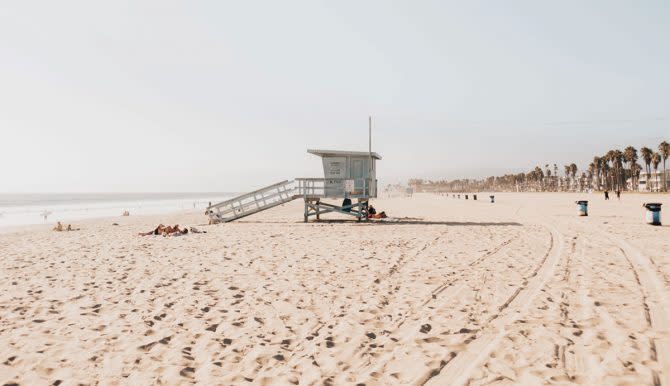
[(388, 222), (419, 222)]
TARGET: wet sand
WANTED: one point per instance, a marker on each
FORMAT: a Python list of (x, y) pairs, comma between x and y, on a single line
[(453, 292)]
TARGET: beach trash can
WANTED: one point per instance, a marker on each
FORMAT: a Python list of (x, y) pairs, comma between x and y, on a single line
[(474, 197), (653, 215), (493, 199), (582, 208)]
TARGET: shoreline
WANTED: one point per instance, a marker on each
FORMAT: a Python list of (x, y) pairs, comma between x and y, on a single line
[(109, 220)]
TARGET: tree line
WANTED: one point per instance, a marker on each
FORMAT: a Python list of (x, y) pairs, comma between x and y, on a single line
[(614, 170)]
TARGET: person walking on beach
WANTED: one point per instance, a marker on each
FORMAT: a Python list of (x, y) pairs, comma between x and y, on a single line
[(607, 195), (618, 195)]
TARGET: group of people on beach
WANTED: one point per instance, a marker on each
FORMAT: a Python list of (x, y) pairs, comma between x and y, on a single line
[(170, 231), (60, 228), (175, 230), (607, 195)]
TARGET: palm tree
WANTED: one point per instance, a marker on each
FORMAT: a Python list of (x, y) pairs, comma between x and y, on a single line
[(606, 160), (556, 175), (548, 174), (592, 173), (614, 156), (617, 157), (520, 178), (655, 160), (539, 176), (664, 150), (573, 171), (598, 164), (646, 156), (630, 155), (636, 169), (606, 173)]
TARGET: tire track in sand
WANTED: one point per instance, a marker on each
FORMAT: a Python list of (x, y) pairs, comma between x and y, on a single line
[(655, 301), (457, 369), (306, 346), (656, 298), (449, 289)]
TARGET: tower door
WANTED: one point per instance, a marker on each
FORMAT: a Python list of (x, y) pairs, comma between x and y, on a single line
[(359, 172)]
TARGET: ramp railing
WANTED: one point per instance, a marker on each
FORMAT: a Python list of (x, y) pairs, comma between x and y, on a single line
[(253, 202), (336, 187), (285, 191)]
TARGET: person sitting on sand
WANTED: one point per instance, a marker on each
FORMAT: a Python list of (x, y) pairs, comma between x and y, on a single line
[(125, 213), (59, 227)]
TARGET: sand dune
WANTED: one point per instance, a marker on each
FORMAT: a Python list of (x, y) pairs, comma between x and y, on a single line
[(463, 292)]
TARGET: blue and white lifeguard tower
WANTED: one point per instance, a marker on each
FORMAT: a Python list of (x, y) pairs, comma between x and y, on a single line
[(349, 182)]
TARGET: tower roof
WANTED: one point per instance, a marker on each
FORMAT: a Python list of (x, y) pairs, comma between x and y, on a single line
[(342, 153)]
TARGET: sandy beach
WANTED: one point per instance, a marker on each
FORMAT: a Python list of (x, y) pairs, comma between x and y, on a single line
[(448, 292)]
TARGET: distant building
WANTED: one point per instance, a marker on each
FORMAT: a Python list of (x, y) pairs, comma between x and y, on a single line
[(655, 181)]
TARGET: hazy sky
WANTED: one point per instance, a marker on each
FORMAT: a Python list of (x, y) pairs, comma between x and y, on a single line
[(227, 96)]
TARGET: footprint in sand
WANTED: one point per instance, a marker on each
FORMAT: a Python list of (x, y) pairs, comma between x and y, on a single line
[(187, 372)]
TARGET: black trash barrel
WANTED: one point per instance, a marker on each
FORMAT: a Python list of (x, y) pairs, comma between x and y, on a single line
[(582, 207), (653, 215)]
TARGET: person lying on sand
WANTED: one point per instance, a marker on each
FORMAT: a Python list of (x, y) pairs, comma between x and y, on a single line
[(196, 230), (165, 230), (372, 213)]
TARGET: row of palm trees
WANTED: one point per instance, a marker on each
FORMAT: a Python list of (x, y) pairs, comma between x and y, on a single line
[(614, 170)]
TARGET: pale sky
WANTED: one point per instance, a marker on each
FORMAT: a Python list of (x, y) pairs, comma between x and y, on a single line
[(227, 96)]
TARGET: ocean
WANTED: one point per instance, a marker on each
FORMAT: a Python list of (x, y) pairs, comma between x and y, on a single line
[(29, 209)]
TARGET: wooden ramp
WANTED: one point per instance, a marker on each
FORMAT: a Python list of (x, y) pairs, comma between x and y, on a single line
[(253, 202)]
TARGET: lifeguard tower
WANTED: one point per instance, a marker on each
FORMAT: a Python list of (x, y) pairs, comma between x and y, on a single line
[(349, 176)]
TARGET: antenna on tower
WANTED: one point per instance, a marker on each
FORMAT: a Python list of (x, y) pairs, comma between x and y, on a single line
[(370, 142)]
